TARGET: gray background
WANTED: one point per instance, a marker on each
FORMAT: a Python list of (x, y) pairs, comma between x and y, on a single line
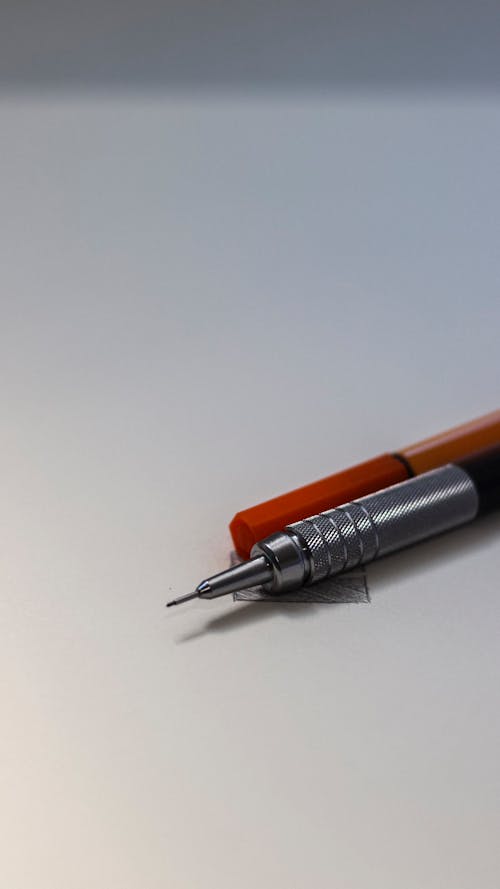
[(210, 295), (348, 44)]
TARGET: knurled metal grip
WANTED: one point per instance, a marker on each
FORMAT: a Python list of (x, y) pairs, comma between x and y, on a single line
[(380, 523), (372, 526)]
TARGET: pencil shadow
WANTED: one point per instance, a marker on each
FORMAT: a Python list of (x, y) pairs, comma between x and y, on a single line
[(243, 614)]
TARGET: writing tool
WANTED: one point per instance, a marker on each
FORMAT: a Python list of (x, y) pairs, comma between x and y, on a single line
[(365, 529), (251, 525)]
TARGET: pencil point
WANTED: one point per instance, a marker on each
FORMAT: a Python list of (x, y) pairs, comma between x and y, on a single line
[(239, 577), (182, 599)]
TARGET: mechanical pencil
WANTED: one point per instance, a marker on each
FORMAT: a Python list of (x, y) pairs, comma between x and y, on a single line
[(251, 525), (365, 529)]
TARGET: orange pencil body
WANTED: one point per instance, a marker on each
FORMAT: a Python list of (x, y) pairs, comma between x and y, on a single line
[(257, 522)]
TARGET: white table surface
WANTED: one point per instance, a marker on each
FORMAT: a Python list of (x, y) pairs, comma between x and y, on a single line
[(204, 302)]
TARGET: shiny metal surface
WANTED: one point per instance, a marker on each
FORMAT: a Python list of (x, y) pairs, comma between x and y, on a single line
[(380, 523), (255, 572), (288, 558), (354, 534)]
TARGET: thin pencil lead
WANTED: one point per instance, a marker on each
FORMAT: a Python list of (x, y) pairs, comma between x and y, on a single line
[(182, 599)]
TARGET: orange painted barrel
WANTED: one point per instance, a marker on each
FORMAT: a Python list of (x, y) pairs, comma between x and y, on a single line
[(257, 522)]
